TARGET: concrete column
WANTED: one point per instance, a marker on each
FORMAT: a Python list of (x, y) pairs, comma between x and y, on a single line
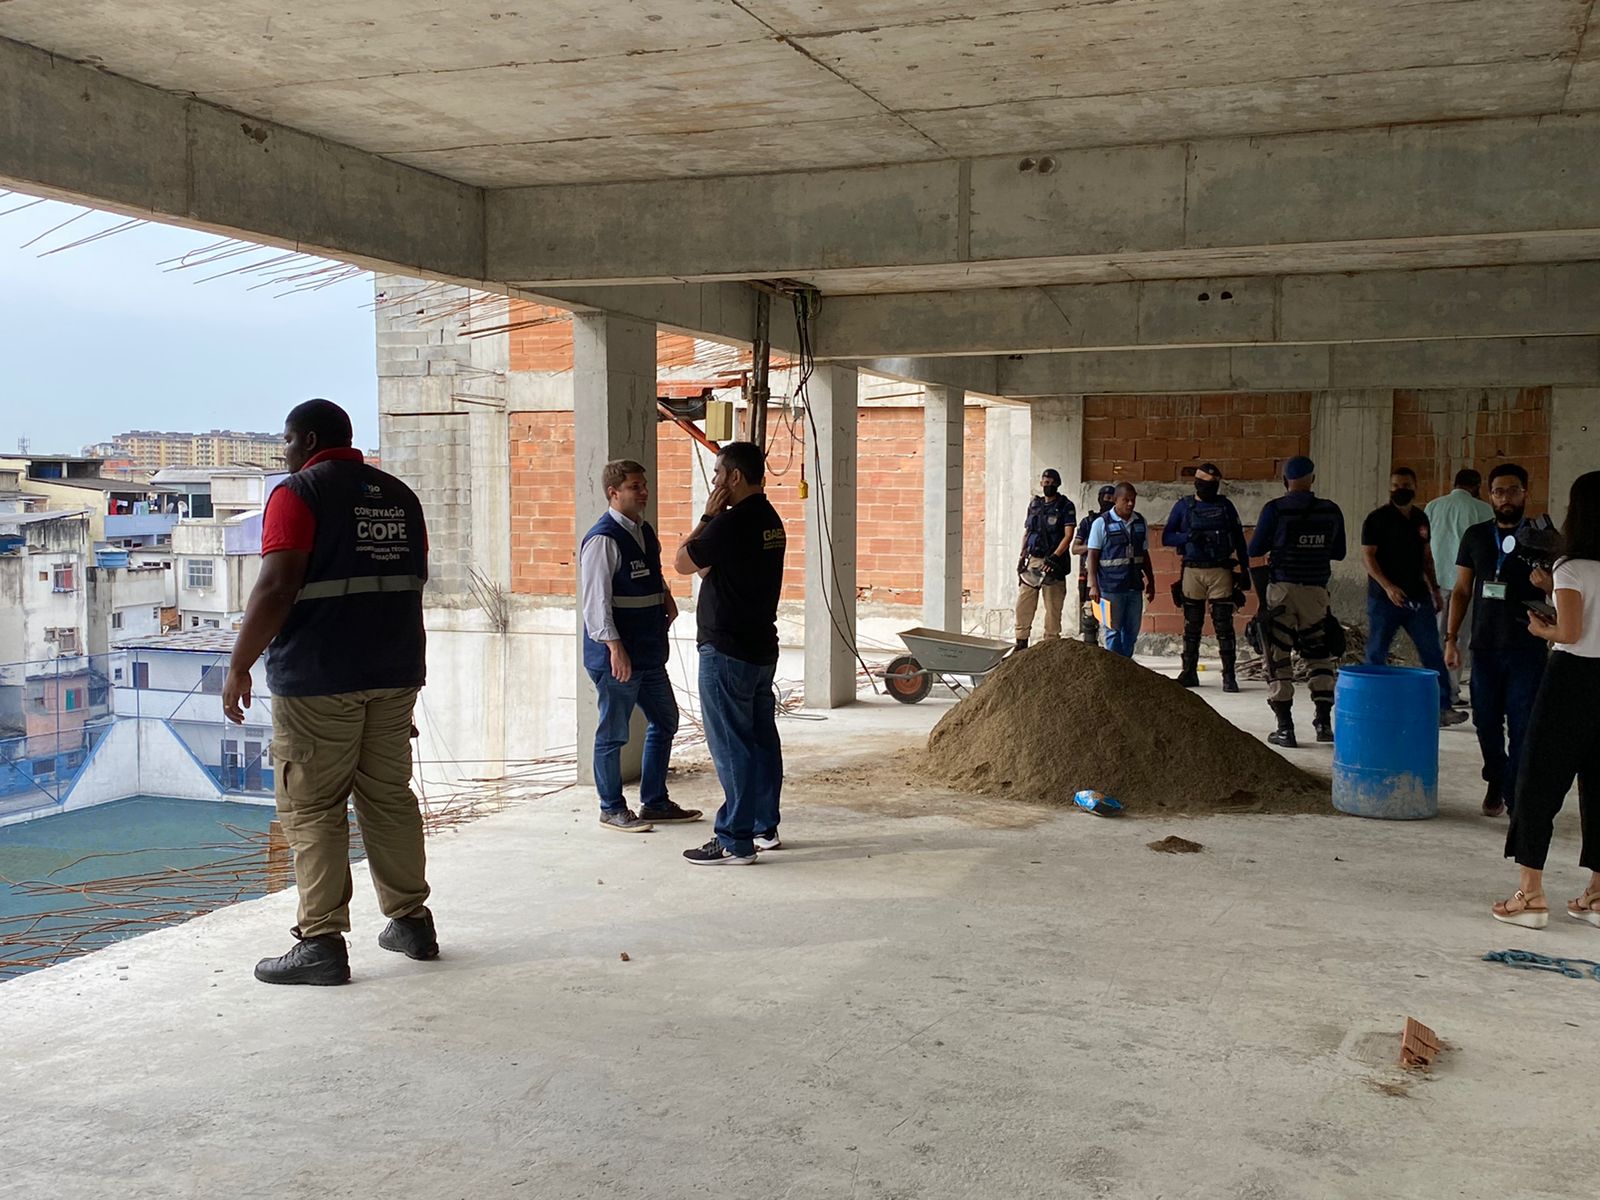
[(1009, 479), (613, 416), (1574, 441), (944, 443), (1057, 439), (831, 540), (1351, 437)]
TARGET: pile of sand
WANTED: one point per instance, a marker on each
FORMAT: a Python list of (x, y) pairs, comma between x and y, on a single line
[(1063, 716)]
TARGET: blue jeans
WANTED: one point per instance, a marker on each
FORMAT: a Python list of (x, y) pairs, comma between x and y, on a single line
[(1127, 614), (651, 691), (1504, 684), (1418, 619), (741, 721)]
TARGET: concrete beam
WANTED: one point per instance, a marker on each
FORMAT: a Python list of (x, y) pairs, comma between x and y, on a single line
[(977, 375), (1475, 302), (79, 134), (724, 312), (1468, 362), (1467, 179)]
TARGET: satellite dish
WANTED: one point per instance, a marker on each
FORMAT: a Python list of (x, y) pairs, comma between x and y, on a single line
[(1509, 543)]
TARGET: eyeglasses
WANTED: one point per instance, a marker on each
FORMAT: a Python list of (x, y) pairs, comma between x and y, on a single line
[(1506, 493)]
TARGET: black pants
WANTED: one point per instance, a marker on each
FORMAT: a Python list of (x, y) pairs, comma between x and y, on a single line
[(1505, 685), (1563, 742)]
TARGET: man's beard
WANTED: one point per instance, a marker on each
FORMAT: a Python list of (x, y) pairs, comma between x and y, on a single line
[(1508, 514)]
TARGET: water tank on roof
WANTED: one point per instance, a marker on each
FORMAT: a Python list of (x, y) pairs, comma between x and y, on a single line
[(110, 558)]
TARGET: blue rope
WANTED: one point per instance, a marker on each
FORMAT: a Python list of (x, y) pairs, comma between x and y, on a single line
[(1527, 960)]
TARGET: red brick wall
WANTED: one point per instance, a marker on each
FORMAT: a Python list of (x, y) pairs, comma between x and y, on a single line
[(1152, 438), (889, 498), (1500, 426), (541, 340)]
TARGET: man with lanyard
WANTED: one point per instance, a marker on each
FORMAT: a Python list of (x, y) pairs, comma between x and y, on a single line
[(1508, 661), (344, 557), (1088, 627), (1209, 537), (627, 611), (1297, 539), (1402, 591), (1048, 528), (1450, 516), (1119, 556), (737, 548)]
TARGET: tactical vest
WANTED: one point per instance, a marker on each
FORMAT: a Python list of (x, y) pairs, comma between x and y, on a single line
[(1303, 538), (357, 619), (1048, 522), (1123, 554), (1210, 529), (638, 599)]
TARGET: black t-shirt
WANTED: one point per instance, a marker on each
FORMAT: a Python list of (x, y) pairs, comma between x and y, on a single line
[(1402, 543), (1498, 624), (738, 613)]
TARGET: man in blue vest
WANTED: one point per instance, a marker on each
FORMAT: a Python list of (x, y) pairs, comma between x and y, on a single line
[(344, 557), (1206, 531), (1088, 627), (1297, 539), (1118, 558), (1042, 568), (627, 611)]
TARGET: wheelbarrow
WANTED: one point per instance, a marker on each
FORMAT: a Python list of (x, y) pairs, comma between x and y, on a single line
[(936, 654)]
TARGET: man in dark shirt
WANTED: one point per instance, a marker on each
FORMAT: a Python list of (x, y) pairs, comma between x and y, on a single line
[(1402, 592), (737, 548), (1507, 660)]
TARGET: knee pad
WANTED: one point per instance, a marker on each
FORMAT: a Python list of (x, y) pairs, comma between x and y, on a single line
[(1194, 616), (1222, 615)]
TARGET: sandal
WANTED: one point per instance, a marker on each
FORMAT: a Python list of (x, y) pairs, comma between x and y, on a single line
[(1586, 907), (1521, 910)]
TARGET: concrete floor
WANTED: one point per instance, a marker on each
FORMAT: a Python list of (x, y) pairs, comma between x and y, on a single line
[(984, 1005)]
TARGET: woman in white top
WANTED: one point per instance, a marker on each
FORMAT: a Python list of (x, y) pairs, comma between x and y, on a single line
[(1563, 738)]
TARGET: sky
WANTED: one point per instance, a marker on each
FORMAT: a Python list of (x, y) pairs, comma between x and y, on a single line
[(100, 339)]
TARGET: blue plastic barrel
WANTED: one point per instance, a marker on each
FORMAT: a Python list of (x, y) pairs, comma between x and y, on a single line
[(1386, 743)]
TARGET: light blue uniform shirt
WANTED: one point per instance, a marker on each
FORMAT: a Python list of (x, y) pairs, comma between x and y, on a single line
[(1451, 516)]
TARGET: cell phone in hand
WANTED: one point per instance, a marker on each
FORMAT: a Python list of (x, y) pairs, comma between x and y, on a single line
[(1545, 611)]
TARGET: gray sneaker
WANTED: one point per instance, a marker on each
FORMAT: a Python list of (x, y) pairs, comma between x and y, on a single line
[(625, 821), (768, 841)]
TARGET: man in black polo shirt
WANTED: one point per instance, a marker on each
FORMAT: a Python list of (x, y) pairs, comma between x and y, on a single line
[(1402, 592), (1507, 660), (737, 548)]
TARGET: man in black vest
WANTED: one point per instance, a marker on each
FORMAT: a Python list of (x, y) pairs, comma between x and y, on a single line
[(627, 611), (737, 548), (1043, 565), (344, 557), (1297, 539), (1206, 531)]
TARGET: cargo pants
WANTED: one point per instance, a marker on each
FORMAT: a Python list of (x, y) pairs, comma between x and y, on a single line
[(330, 749)]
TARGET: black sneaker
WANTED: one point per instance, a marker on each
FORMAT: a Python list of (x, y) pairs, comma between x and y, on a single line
[(668, 814), (624, 821), (412, 936), (322, 961), (1452, 716), (715, 854), (1494, 804)]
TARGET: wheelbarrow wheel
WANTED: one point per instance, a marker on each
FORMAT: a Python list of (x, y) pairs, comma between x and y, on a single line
[(906, 680)]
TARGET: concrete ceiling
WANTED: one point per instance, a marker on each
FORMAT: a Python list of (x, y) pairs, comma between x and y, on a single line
[(561, 91)]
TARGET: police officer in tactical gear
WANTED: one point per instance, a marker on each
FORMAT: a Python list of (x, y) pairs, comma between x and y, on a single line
[(1296, 539), (1206, 531), (1043, 565), (1088, 627)]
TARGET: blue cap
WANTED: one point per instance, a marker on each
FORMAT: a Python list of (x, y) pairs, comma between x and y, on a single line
[(1298, 467)]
